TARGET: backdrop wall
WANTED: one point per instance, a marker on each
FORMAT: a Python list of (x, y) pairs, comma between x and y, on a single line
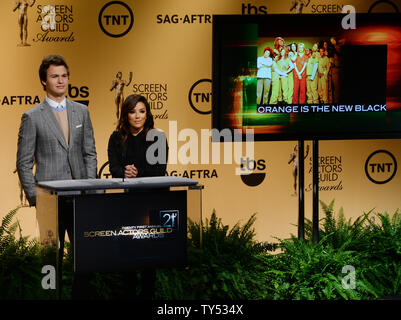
[(167, 46)]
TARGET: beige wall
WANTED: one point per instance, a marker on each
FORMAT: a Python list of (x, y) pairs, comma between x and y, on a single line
[(174, 55)]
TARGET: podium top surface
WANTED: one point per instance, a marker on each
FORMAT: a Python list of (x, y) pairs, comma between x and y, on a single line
[(116, 183)]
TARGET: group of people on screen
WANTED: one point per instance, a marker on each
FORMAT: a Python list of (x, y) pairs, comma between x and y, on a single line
[(294, 74)]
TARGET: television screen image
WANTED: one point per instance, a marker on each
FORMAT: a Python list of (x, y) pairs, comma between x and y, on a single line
[(291, 77)]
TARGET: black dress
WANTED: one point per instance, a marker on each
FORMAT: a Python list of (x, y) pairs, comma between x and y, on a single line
[(134, 152)]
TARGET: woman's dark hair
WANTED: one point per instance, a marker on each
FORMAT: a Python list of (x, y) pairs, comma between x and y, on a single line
[(129, 104), (53, 59)]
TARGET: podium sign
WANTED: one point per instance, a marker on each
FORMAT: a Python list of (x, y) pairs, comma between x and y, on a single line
[(121, 232), (120, 225)]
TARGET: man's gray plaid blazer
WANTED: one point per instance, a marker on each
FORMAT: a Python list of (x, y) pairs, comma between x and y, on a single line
[(41, 140)]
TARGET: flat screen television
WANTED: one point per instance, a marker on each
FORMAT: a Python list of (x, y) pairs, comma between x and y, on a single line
[(291, 77)]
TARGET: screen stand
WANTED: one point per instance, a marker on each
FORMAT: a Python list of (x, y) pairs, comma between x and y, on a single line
[(315, 178), (301, 191)]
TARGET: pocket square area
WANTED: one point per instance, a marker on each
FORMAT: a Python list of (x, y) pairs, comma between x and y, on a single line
[(78, 126)]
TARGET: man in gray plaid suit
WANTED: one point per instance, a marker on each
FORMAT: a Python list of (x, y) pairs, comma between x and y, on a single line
[(57, 136)]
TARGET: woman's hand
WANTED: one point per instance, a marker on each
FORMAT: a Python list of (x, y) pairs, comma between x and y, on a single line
[(130, 171)]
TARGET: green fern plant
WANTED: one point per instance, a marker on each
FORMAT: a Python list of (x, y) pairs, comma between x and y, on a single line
[(7, 230), (223, 267), (20, 262), (339, 232), (385, 236)]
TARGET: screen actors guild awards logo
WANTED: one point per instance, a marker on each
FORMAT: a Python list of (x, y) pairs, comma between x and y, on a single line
[(55, 22), (118, 84), (22, 7)]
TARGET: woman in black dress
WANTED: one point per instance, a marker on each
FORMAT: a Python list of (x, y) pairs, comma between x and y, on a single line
[(127, 149), (128, 158)]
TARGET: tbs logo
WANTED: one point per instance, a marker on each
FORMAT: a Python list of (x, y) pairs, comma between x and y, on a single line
[(249, 8), (254, 171), (77, 93)]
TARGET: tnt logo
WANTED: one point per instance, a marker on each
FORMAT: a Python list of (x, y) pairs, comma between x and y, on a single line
[(383, 6), (116, 19), (380, 167), (200, 96)]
